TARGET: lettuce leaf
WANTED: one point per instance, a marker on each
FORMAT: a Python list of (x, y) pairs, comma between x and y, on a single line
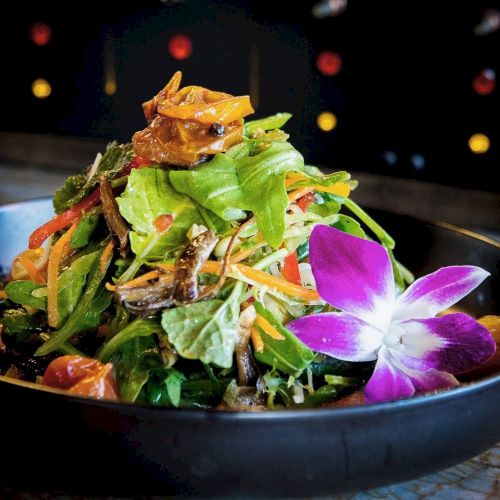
[(268, 123), (148, 195), (205, 330)]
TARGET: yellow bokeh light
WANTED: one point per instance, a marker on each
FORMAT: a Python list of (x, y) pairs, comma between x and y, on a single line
[(326, 121), (41, 88), (479, 143), (110, 87)]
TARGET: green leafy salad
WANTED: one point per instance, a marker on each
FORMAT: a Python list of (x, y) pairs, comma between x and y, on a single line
[(175, 262)]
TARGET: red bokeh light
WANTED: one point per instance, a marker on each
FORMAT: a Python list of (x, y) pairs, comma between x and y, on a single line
[(40, 34), (484, 82), (180, 47), (329, 63)]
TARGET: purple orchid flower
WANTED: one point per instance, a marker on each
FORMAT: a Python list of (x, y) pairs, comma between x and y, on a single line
[(415, 351)]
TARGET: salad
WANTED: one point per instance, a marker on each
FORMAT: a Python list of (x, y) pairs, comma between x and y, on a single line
[(205, 265)]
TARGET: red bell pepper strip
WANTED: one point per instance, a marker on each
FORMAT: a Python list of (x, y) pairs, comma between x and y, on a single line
[(291, 269), (65, 219), (305, 201), (58, 222)]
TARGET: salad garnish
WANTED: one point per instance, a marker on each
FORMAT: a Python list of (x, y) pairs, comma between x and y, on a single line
[(206, 265)]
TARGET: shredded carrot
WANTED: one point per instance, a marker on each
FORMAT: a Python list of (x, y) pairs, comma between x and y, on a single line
[(106, 254), (58, 252), (256, 339), (110, 287), (279, 283), (268, 328), (33, 272), (3, 294), (141, 279), (258, 276)]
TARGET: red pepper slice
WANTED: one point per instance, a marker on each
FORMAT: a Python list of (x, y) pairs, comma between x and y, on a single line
[(58, 222), (305, 201), (67, 218), (291, 269), (163, 222)]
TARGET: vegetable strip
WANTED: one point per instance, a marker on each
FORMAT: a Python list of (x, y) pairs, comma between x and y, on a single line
[(58, 252), (31, 269), (267, 328)]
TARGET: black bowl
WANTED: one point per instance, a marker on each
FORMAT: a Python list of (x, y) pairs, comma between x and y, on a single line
[(54, 441)]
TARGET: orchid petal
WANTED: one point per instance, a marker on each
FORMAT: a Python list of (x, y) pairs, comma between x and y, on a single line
[(353, 274), (436, 292), (454, 343), (388, 383), (427, 379), (339, 335)]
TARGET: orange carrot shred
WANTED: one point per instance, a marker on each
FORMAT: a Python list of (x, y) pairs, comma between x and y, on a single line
[(256, 339), (106, 254), (33, 272), (267, 328), (58, 252)]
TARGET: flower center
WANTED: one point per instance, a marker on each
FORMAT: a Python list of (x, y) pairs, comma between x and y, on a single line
[(394, 337)]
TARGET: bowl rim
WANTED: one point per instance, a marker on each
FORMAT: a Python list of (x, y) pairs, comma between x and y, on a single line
[(404, 405)]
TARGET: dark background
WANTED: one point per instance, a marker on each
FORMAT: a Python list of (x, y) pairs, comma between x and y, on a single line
[(405, 85)]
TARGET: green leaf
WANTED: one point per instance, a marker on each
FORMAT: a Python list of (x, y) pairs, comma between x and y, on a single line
[(148, 195), (268, 123), (205, 330), (349, 225), (87, 313), (77, 187), (84, 230), (21, 292), (71, 283), (134, 362), (324, 209), (289, 355), (230, 186), (141, 327), (71, 193), (320, 180), (18, 322), (173, 382)]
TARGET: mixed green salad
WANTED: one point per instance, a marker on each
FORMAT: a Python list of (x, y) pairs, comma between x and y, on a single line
[(175, 262)]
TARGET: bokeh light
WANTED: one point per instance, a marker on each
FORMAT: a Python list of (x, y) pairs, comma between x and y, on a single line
[(40, 34), (41, 88), (390, 157), (329, 63), (110, 87), (417, 161), (484, 82), (326, 121), (180, 47), (479, 143)]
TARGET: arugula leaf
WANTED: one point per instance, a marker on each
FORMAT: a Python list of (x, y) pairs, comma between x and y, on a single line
[(77, 187), (229, 186), (87, 313), (133, 363), (141, 327), (84, 230), (324, 209), (268, 123), (21, 292), (148, 195), (289, 355), (205, 330), (349, 225), (320, 180), (71, 283)]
